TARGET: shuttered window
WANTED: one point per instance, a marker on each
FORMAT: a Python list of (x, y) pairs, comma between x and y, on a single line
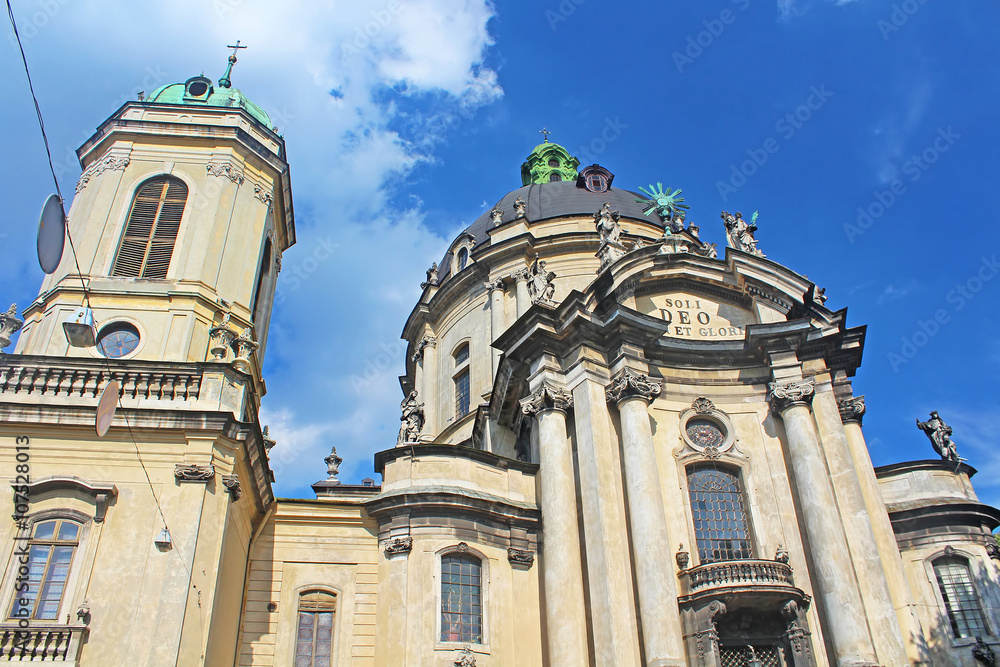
[(314, 643), (151, 230)]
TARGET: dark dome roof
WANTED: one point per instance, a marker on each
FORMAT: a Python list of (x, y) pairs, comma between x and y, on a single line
[(551, 200)]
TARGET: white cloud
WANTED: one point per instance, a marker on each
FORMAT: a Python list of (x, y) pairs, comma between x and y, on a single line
[(893, 292), (896, 127), (403, 73)]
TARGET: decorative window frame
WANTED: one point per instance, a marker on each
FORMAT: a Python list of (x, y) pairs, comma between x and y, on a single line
[(702, 408), (457, 369), (96, 354), (988, 598), (76, 572), (464, 241), (464, 549), (296, 595), (125, 206)]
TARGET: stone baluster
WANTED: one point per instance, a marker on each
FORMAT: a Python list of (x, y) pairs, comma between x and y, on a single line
[(662, 634), (562, 568), (841, 598)]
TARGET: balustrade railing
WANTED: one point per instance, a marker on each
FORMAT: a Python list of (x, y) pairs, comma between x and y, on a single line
[(58, 643), (740, 573)]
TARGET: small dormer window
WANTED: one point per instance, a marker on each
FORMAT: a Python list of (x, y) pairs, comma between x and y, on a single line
[(595, 178), (463, 258), (595, 183), (198, 88)]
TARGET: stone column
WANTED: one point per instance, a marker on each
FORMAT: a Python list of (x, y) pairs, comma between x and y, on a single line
[(852, 411), (521, 291), (837, 587), (429, 392), (881, 615), (655, 579), (497, 324), (562, 569)]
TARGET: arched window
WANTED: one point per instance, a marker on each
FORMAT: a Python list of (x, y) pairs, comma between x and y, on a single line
[(463, 258), (263, 281), (314, 641), (721, 527), (555, 176), (461, 598), (50, 554), (960, 598), (462, 381), (151, 230)]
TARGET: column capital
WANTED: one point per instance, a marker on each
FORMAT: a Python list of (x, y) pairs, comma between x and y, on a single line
[(547, 397), (628, 383), (852, 410), (426, 341), (495, 284), (784, 395)]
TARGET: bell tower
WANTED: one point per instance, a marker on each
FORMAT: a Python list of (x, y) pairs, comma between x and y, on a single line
[(180, 218)]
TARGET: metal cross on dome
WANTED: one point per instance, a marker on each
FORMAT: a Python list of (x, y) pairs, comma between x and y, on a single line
[(235, 47), (544, 131)]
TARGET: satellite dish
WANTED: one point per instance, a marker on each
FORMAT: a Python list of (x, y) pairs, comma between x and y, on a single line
[(106, 407), (51, 234)]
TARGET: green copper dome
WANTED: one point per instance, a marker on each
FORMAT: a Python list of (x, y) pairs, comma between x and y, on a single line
[(201, 91), (549, 162)]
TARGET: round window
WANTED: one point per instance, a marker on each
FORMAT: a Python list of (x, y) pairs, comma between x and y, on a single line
[(197, 88), (117, 340), (705, 433)]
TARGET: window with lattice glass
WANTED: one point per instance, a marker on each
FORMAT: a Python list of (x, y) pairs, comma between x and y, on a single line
[(462, 393), (151, 230), (960, 599), (718, 508), (461, 599), (314, 642), (50, 554), (741, 656)]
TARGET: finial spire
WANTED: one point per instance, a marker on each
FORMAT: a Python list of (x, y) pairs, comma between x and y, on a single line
[(225, 82), (545, 133)]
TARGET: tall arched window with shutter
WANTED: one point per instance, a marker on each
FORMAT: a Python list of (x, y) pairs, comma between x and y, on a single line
[(151, 231), (314, 639)]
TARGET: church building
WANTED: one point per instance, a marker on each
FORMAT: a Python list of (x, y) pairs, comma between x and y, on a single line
[(619, 445)]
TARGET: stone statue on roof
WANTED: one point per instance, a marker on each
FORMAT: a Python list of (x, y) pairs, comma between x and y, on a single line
[(608, 226), (496, 215), (740, 234), (540, 285), (520, 208), (412, 419), (939, 434)]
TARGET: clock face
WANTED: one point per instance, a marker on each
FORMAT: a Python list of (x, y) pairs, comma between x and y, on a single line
[(118, 340)]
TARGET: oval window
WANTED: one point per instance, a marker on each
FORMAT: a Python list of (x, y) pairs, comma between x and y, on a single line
[(117, 340)]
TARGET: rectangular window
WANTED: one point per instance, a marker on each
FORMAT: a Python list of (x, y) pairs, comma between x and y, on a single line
[(461, 599), (462, 393), (50, 554), (960, 599)]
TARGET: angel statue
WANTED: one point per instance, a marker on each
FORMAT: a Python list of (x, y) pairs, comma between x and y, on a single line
[(540, 285), (412, 419), (940, 437)]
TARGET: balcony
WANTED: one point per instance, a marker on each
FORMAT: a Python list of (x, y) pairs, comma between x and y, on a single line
[(738, 578), (53, 643)]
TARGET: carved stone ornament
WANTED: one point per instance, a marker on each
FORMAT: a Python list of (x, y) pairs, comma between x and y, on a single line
[(495, 284), (233, 488), (467, 657), (10, 324), (112, 162), (541, 289), (627, 383), (193, 473), (411, 419), (269, 442), (520, 556), (739, 234), (702, 405), (781, 555), (819, 296), (709, 250), (547, 397), (993, 549), (787, 394), (83, 612), (333, 462), (683, 557), (418, 350), (852, 409), (244, 345), (221, 337), (673, 245), (432, 276), (262, 195), (939, 434), (462, 548), (496, 215), (225, 169), (520, 208), (983, 654), (398, 545)]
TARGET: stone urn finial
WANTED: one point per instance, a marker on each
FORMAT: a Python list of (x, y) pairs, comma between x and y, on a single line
[(220, 338), (245, 346), (10, 324), (333, 466)]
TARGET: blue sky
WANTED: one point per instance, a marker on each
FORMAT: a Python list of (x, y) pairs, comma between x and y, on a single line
[(864, 132)]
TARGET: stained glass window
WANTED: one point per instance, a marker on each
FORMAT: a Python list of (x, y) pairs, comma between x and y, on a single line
[(461, 599), (50, 554), (705, 433), (720, 516), (314, 642), (960, 599)]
